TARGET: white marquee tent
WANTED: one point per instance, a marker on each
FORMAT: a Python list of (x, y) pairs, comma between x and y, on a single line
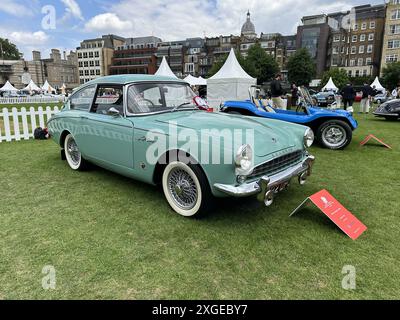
[(31, 87), (8, 87), (231, 82), (47, 87), (165, 70), (193, 81), (377, 85), (330, 86)]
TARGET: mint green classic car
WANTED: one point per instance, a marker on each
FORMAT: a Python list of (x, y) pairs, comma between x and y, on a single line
[(154, 129)]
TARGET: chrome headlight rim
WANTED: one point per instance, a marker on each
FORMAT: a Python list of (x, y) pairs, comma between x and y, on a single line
[(244, 160), (308, 138)]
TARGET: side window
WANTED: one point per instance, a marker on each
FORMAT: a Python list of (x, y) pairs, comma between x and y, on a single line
[(108, 97), (82, 99), (144, 98)]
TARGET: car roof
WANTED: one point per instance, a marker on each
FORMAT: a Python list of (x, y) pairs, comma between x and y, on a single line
[(129, 78)]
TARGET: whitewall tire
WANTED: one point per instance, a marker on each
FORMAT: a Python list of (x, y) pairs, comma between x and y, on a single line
[(72, 153), (186, 189)]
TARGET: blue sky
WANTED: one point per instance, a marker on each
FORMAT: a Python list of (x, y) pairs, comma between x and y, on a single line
[(21, 20)]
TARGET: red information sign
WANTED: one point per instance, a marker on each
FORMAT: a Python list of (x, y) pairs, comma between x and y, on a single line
[(336, 212), (371, 136)]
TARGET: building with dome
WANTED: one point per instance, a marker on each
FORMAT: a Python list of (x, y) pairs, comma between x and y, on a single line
[(248, 28)]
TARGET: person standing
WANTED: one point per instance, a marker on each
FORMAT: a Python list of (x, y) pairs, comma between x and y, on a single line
[(348, 95), (366, 97), (295, 95), (277, 92)]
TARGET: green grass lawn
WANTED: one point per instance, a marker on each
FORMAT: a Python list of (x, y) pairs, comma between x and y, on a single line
[(109, 237)]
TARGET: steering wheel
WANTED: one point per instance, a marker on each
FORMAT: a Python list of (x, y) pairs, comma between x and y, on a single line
[(152, 104), (300, 107)]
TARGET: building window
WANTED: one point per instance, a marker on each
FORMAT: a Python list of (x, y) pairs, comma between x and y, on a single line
[(357, 73), (335, 50), (368, 61), (360, 62), (352, 62), (365, 72), (91, 63), (371, 37), (391, 58), (86, 64), (336, 38), (81, 73), (90, 54), (92, 72), (393, 44), (86, 72), (395, 14), (364, 26), (355, 27), (189, 67), (97, 62), (354, 38), (80, 64), (79, 55), (361, 49), (370, 48), (362, 37), (372, 25), (353, 50), (394, 28), (97, 72), (350, 73)]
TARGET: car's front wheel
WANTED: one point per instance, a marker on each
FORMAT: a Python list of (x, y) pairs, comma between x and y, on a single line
[(334, 134), (186, 189), (73, 155)]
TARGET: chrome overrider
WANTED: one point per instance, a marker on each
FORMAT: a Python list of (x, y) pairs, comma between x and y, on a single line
[(268, 186)]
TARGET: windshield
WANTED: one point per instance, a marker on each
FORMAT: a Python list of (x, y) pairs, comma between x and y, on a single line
[(304, 95), (159, 97)]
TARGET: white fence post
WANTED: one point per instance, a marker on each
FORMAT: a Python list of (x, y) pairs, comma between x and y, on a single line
[(22, 127)]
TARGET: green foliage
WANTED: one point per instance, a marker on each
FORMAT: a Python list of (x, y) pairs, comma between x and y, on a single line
[(301, 68), (10, 50), (264, 64), (391, 75), (339, 77)]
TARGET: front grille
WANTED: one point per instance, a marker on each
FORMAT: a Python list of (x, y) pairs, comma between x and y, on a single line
[(277, 165)]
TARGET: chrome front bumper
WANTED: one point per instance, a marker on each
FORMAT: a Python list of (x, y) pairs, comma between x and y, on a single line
[(273, 184)]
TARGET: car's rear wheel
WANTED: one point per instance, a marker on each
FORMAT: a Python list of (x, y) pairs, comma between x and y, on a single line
[(186, 189), (334, 134), (73, 155)]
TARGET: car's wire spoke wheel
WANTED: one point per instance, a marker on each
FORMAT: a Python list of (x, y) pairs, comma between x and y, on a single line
[(182, 188), (72, 153), (334, 136)]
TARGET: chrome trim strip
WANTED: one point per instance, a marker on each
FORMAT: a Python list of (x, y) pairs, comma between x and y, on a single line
[(253, 188)]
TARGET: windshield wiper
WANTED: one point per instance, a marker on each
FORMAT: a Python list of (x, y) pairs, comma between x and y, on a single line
[(181, 105)]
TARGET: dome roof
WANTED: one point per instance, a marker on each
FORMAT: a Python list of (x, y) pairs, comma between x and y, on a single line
[(248, 27)]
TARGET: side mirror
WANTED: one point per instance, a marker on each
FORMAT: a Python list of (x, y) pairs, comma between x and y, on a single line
[(113, 112)]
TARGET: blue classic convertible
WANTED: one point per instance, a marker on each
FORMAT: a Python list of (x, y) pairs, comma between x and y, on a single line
[(333, 128)]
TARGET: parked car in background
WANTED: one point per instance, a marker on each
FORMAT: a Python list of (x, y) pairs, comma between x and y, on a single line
[(389, 110), (380, 98), (119, 122), (333, 128), (324, 98)]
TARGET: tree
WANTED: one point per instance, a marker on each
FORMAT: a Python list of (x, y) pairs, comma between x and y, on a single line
[(8, 50), (301, 68), (264, 65), (339, 77), (391, 75), (217, 65)]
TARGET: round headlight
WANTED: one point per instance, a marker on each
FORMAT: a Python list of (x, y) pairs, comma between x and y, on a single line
[(244, 159), (308, 138)]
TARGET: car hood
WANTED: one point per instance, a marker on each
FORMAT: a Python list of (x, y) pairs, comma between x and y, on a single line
[(270, 136)]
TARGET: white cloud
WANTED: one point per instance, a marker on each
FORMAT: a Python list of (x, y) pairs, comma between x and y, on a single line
[(14, 8), (72, 8), (179, 19), (109, 23), (28, 38)]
